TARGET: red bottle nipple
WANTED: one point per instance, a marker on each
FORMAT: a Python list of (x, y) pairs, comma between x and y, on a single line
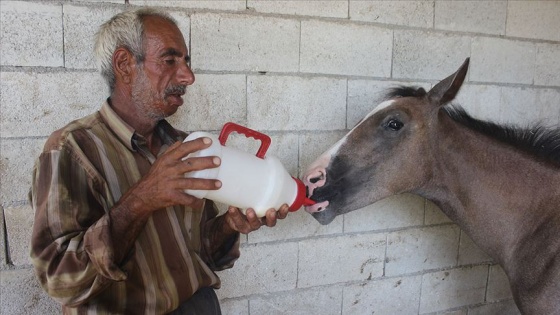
[(301, 197)]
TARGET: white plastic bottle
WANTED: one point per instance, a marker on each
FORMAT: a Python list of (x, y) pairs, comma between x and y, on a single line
[(248, 181)]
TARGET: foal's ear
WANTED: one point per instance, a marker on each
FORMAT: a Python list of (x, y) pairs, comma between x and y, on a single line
[(446, 90)]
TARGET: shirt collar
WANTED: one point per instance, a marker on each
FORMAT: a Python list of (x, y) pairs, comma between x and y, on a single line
[(126, 133), (122, 130)]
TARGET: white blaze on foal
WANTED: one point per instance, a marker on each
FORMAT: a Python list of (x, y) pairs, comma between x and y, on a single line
[(317, 168)]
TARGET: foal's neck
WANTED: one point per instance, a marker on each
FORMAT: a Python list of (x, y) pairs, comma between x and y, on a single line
[(496, 193)]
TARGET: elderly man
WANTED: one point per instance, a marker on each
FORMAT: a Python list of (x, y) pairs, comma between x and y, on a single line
[(114, 232)]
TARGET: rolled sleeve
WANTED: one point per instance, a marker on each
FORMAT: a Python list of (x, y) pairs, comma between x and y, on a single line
[(217, 256), (99, 246), (71, 247)]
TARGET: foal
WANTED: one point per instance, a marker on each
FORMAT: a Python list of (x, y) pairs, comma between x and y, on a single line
[(501, 185)]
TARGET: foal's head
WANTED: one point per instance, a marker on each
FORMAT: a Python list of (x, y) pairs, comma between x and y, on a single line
[(386, 153)]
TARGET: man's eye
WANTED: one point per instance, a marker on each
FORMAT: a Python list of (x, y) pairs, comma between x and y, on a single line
[(170, 61)]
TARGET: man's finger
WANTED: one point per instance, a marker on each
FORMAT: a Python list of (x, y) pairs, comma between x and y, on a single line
[(253, 219), (199, 163), (184, 148)]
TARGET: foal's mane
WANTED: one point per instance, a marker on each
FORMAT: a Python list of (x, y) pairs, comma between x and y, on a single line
[(542, 142)]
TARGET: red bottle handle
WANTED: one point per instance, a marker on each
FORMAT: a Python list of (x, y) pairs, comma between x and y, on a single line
[(230, 127)]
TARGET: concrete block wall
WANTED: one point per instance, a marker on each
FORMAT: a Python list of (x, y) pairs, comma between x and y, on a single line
[(304, 72)]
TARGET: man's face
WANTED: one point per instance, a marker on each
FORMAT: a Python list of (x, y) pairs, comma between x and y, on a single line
[(162, 78)]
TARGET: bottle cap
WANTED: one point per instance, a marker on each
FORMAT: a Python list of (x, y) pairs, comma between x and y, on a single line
[(301, 197)]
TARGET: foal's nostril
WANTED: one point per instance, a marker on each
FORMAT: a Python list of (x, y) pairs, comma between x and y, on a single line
[(318, 178)]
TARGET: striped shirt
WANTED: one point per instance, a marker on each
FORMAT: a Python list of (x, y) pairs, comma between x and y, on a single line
[(80, 175)]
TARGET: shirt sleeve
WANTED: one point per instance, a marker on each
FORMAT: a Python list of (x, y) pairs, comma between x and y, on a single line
[(71, 247), (217, 256)]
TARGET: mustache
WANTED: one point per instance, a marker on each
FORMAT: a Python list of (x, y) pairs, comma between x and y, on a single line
[(176, 89)]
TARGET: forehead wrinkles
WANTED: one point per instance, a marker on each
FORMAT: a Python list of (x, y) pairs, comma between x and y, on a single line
[(161, 35)]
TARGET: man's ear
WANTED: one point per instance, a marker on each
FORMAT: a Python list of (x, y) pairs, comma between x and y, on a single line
[(123, 64)]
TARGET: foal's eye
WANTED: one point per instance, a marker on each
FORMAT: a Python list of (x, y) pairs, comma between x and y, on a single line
[(394, 124)]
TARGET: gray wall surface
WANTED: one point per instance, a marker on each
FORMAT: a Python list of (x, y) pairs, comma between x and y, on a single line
[(303, 72)]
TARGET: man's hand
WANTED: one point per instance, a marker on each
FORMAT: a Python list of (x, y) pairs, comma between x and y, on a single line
[(162, 186), (236, 221), (165, 183)]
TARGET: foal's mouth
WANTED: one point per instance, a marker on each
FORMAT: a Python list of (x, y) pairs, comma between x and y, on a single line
[(322, 198)]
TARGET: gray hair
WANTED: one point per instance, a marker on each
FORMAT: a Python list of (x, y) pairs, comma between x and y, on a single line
[(126, 30)]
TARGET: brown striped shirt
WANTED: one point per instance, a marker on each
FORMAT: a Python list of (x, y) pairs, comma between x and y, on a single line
[(82, 172)]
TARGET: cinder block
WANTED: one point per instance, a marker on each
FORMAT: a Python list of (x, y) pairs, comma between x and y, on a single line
[(237, 307), (16, 164), (296, 103), (498, 285), (549, 106), (324, 301), (329, 8), (36, 104), (434, 215), (480, 101), (261, 269), (502, 60), (470, 253), (212, 101), (394, 212), (547, 67), (227, 5), (409, 13), (244, 43), (487, 17), (19, 226), (427, 55), (365, 95), (340, 259), (443, 290), (298, 224), (284, 146), (31, 34), (534, 19), (21, 294), (518, 106), (505, 307), (390, 296), (313, 144), (80, 26), (346, 49), (414, 250)]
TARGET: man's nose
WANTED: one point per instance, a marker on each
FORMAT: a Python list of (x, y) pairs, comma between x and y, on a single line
[(185, 75)]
